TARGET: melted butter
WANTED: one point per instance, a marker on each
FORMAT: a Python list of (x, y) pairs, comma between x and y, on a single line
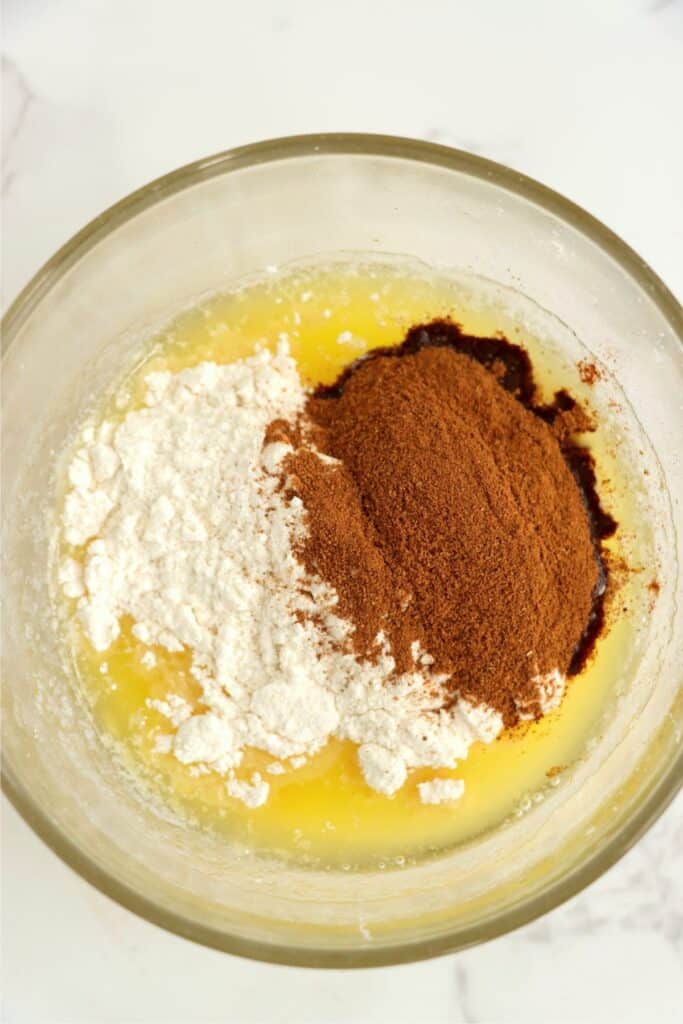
[(323, 812)]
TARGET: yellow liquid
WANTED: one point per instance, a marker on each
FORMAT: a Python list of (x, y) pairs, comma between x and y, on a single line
[(323, 812)]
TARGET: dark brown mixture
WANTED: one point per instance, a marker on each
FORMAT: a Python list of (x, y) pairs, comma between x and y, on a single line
[(460, 513)]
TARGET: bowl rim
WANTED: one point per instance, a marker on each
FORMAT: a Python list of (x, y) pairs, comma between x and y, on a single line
[(660, 793)]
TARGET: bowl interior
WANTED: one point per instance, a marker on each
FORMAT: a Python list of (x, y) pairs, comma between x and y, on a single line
[(509, 243)]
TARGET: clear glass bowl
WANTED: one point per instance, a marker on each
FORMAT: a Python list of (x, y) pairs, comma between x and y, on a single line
[(77, 324)]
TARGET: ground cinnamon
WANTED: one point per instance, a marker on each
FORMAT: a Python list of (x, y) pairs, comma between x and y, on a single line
[(452, 513), (589, 372)]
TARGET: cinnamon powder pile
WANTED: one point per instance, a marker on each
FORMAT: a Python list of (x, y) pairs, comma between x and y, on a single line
[(449, 513)]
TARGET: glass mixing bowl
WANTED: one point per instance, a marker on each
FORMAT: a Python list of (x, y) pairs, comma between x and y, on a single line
[(80, 321)]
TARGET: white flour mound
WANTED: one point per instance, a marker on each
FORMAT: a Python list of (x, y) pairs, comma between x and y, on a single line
[(441, 791), (183, 528)]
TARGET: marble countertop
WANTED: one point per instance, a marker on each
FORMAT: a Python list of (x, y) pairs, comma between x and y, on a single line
[(101, 97)]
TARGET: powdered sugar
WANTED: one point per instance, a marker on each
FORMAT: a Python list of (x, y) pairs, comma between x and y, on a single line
[(184, 529)]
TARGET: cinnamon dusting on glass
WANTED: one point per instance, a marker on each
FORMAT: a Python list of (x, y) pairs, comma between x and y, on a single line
[(589, 373)]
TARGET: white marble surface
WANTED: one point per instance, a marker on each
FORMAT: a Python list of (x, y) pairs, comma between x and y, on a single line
[(99, 97)]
